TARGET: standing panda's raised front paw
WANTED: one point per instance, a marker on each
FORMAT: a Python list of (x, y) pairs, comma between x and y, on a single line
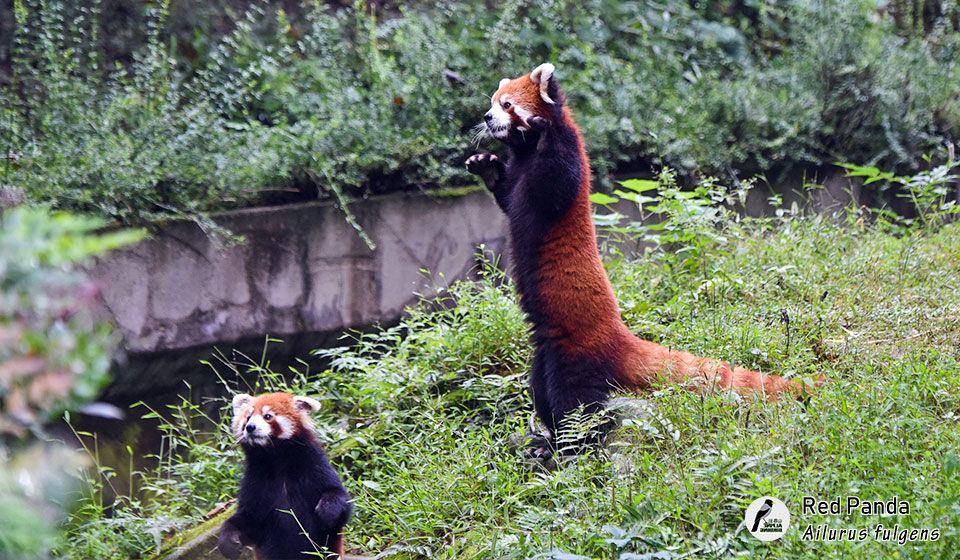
[(487, 166), (538, 123), (541, 126), (480, 163)]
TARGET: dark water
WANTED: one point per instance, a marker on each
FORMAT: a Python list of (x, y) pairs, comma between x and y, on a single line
[(182, 391)]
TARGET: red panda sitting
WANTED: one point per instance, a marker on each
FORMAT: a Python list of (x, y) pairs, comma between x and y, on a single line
[(583, 350), (287, 471)]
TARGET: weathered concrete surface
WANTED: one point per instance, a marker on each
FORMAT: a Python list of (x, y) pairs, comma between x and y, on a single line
[(301, 268), (304, 275), (833, 192)]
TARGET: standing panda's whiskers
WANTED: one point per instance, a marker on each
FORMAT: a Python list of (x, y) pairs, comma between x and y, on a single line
[(481, 132)]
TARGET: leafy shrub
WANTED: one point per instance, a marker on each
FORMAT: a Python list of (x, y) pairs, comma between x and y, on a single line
[(928, 191), (53, 357), (355, 101), (196, 467), (128, 143), (690, 232)]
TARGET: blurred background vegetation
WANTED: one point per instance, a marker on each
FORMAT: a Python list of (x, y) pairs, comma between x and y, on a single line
[(140, 110), (53, 357)]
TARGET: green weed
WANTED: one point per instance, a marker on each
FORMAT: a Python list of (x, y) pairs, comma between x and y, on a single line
[(421, 418)]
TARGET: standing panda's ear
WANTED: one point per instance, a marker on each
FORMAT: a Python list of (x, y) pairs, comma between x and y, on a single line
[(306, 404), (240, 401), (541, 76), (503, 82)]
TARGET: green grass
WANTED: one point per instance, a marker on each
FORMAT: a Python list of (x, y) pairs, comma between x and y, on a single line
[(876, 315), (420, 417)]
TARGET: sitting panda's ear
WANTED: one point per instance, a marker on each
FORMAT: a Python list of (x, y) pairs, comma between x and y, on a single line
[(306, 404), (240, 401), (503, 82), (541, 76)]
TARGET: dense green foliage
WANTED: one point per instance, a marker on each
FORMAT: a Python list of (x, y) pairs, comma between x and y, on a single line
[(422, 418), (53, 357), (353, 101)]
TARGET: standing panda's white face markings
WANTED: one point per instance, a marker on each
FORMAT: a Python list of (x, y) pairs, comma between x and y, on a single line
[(499, 122), (524, 114), (515, 101), (286, 427), (254, 429), (504, 111), (256, 421)]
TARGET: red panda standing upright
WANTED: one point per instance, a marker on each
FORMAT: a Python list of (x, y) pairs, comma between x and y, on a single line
[(583, 350), (289, 487)]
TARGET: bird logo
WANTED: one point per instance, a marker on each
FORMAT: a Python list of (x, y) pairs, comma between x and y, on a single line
[(766, 518), (764, 511)]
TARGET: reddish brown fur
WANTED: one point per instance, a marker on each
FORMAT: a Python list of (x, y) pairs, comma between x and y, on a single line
[(521, 94), (579, 303), (647, 361), (336, 545), (574, 286), (281, 404)]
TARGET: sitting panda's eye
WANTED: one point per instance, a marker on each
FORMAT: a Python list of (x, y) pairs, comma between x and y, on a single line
[(267, 416), (507, 104)]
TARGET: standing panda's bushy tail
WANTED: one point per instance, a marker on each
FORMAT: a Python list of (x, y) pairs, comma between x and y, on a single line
[(646, 362)]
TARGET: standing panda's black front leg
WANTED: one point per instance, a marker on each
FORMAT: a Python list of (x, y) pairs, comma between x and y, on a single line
[(333, 510), (231, 539), (541, 127), (555, 172), (491, 170)]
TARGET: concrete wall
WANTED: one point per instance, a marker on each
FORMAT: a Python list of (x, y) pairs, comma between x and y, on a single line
[(303, 274), (301, 268)]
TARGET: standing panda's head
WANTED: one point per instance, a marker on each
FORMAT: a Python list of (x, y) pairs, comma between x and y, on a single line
[(516, 100), (265, 419)]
